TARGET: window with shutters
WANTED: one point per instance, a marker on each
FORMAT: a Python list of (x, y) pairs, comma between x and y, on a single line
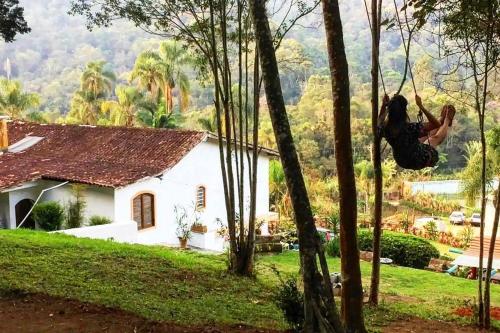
[(201, 199), (143, 210)]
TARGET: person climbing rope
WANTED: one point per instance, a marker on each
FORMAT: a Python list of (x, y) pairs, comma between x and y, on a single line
[(408, 139)]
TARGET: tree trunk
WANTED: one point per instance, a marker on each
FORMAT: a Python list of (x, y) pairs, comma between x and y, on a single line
[(352, 290), (320, 311), (377, 162), (487, 317)]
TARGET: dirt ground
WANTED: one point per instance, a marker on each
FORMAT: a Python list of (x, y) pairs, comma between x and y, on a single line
[(417, 325), (40, 313), (35, 313)]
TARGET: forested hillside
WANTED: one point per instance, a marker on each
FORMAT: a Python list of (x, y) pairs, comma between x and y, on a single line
[(51, 59)]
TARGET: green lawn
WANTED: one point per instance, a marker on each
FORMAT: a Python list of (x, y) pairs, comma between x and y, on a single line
[(155, 282), (407, 291), (192, 288)]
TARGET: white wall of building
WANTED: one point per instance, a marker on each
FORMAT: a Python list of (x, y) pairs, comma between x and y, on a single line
[(99, 200), (123, 232), (4, 210), (201, 166)]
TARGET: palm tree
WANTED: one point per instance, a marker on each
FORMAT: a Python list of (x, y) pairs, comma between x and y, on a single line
[(163, 72), (176, 57), (149, 72), (97, 79), (123, 111), (13, 101), (85, 107)]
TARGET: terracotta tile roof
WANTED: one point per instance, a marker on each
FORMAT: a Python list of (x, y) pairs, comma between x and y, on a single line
[(474, 249), (470, 257), (104, 156)]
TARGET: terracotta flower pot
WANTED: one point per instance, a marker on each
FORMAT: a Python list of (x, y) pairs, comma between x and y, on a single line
[(183, 243)]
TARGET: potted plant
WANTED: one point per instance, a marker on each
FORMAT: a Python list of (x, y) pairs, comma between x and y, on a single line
[(183, 227)]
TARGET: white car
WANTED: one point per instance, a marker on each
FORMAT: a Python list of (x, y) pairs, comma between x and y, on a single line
[(475, 219), (457, 218)]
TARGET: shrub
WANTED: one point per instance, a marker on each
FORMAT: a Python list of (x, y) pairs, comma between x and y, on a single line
[(333, 248), (99, 220), (49, 215), (76, 207), (404, 250), (431, 230), (290, 300)]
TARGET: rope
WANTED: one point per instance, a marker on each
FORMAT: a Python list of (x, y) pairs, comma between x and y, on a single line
[(371, 29), (407, 51)]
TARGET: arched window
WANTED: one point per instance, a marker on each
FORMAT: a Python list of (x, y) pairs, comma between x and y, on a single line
[(201, 199), (143, 210)]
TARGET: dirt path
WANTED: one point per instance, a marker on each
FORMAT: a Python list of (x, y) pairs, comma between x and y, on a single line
[(417, 325), (40, 313), (35, 313)]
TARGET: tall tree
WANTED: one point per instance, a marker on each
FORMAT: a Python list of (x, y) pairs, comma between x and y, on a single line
[(176, 57), (376, 15), (97, 79), (96, 83), (85, 107), (352, 290), (12, 20), (13, 101), (148, 72), (123, 111), (494, 152), (319, 306)]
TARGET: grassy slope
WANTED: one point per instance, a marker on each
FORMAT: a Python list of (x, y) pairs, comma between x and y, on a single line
[(408, 291), (154, 282), (192, 288)]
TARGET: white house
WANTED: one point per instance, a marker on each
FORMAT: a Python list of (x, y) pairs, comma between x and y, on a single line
[(133, 176)]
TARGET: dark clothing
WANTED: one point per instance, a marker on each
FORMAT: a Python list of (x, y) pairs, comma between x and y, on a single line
[(408, 151)]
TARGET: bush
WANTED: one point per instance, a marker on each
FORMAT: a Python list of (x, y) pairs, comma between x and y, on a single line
[(99, 220), (290, 300), (333, 248), (404, 250), (49, 215), (431, 230)]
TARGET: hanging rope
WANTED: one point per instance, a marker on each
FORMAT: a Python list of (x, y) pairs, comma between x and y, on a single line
[(371, 29), (407, 51)]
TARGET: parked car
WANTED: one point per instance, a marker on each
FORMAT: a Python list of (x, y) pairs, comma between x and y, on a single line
[(457, 218), (475, 219)]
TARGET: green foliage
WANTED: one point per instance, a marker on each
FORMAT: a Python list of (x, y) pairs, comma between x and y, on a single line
[(431, 204), (404, 250), (466, 235), (332, 247), (12, 20), (290, 300), (13, 101), (431, 230), (49, 215), (99, 220), (76, 207)]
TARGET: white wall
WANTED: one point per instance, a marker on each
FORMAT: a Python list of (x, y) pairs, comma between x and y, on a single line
[(27, 191), (201, 166), (123, 232), (4, 210), (100, 200)]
